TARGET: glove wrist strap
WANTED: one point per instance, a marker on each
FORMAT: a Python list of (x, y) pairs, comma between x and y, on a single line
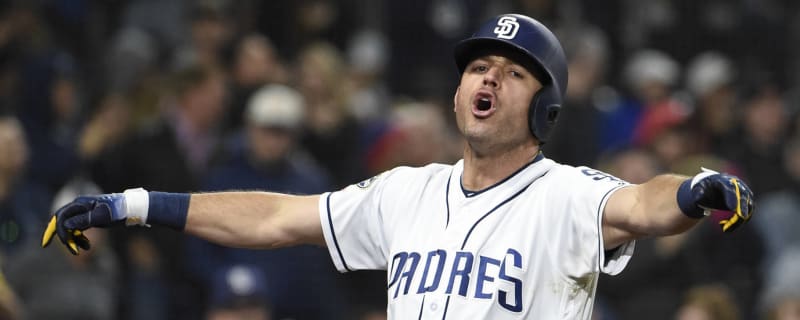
[(686, 201), (136, 205)]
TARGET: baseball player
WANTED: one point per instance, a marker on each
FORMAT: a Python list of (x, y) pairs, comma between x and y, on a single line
[(504, 233)]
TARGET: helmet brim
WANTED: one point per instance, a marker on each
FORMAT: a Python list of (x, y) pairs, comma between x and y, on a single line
[(470, 49)]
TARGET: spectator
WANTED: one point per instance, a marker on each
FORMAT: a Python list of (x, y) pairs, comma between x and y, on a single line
[(646, 107), (782, 208), (416, 135), (51, 117), (23, 203), (780, 299), (653, 76), (710, 79), (587, 67), (9, 306), (239, 292), (708, 302), (332, 133), (210, 30), (765, 125), (172, 154), (367, 57), (185, 138), (269, 159), (255, 64), (110, 124), (635, 165)]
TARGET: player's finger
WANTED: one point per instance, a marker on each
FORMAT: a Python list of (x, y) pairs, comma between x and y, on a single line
[(81, 240), (751, 208), (746, 201), (731, 223), (738, 193), (65, 213), (72, 246), (49, 232), (66, 234)]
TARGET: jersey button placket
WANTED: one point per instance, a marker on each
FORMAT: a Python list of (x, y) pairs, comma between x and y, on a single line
[(459, 218)]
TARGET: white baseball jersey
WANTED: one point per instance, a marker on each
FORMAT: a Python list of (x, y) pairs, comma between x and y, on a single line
[(528, 247)]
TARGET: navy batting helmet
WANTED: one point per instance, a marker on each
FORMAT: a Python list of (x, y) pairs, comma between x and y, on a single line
[(537, 49)]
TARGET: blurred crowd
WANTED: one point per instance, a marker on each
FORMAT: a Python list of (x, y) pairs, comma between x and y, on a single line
[(306, 96)]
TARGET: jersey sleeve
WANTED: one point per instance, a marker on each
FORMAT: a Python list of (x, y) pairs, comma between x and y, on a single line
[(352, 225), (589, 192), (611, 261)]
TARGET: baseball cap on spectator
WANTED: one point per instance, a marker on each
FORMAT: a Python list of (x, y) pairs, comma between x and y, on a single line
[(707, 72), (276, 106), (650, 65), (238, 286)]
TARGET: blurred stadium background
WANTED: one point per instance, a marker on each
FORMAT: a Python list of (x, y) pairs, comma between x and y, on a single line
[(304, 96)]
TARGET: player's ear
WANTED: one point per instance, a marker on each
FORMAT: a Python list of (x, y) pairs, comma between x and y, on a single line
[(455, 99)]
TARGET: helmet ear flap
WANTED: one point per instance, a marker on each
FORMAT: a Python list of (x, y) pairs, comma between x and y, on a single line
[(543, 113)]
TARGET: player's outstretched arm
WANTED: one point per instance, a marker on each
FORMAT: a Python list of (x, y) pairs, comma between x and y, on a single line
[(671, 204), (237, 219), (255, 219)]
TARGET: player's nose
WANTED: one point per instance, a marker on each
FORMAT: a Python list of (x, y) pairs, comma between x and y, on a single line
[(492, 77)]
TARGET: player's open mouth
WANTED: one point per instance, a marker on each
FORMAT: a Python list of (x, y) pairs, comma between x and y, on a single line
[(483, 105)]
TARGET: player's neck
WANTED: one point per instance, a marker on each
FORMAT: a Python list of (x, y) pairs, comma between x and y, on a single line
[(484, 170)]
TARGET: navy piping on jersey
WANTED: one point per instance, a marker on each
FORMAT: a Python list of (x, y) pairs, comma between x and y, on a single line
[(446, 304), (493, 210), (469, 193), (333, 233), (447, 199), (600, 257), (421, 307)]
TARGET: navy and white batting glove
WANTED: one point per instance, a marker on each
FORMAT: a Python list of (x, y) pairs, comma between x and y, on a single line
[(86, 212), (710, 190)]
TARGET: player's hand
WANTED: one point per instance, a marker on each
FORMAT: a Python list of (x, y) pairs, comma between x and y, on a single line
[(719, 191), (84, 212)]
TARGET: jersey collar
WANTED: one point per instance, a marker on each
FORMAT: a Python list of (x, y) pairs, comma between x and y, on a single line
[(470, 193)]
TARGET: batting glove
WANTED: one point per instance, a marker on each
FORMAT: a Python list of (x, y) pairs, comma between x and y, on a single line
[(711, 190), (86, 212)]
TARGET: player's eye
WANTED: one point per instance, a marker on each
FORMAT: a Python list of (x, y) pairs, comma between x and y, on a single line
[(480, 68), (517, 74)]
